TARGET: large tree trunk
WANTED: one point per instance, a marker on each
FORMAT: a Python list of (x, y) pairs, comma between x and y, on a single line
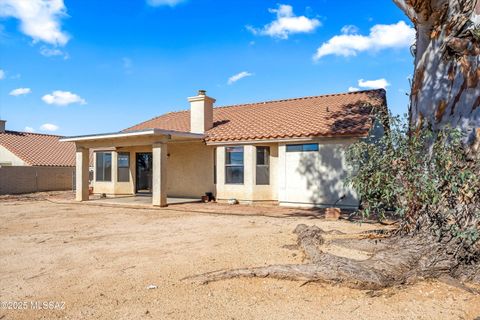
[(446, 84)]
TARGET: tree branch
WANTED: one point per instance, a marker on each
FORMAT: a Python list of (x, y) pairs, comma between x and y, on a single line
[(407, 9)]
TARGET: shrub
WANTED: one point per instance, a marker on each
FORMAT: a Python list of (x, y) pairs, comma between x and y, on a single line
[(425, 178)]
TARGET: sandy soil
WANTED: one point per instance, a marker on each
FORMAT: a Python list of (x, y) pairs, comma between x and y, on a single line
[(99, 262)]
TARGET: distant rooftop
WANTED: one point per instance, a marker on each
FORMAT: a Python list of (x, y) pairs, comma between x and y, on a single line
[(38, 149)]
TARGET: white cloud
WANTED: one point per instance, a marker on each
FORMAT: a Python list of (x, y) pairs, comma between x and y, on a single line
[(53, 52), (2, 74), (158, 3), (39, 19), (62, 98), (353, 89), (373, 84), (239, 76), (350, 29), (48, 127), (381, 36), (287, 23), (20, 91), (29, 129)]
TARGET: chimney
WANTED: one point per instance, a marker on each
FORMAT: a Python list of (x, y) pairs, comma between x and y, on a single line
[(201, 112), (2, 125)]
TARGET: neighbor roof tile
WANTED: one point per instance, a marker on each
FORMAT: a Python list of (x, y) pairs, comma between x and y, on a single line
[(39, 149)]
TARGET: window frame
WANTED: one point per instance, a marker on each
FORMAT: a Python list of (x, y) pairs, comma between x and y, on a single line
[(123, 167), (104, 168), (233, 165), (265, 165), (302, 147)]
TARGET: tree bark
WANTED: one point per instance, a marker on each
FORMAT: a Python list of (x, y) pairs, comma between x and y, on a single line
[(446, 83)]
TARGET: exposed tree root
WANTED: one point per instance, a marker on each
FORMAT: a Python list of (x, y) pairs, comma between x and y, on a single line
[(397, 261)]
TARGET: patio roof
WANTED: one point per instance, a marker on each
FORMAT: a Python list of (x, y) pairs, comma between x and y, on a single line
[(149, 133)]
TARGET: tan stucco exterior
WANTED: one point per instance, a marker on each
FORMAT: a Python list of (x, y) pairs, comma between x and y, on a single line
[(189, 168), (305, 179), (316, 179), (8, 158), (249, 191), (201, 110), (296, 179), (183, 166)]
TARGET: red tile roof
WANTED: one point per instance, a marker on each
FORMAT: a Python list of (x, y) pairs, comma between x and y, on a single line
[(39, 149), (345, 114)]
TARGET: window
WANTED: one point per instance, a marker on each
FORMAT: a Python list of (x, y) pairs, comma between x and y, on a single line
[(263, 166), (104, 166), (302, 147), (123, 164), (234, 165)]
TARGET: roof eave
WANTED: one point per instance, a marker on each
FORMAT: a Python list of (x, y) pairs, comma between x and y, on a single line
[(285, 139), (140, 133)]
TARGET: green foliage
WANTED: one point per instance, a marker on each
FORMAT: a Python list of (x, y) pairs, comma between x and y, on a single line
[(423, 177), (476, 32)]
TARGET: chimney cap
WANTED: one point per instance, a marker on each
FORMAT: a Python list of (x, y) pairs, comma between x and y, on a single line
[(202, 92)]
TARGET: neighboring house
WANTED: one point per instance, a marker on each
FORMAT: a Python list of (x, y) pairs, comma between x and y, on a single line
[(287, 151), (34, 149), (31, 162)]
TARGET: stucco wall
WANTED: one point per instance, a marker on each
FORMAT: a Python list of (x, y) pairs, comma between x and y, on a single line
[(115, 187), (315, 178), (249, 190), (26, 179), (189, 170), (8, 157), (296, 179)]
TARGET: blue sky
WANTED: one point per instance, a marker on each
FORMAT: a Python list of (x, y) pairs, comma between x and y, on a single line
[(86, 66)]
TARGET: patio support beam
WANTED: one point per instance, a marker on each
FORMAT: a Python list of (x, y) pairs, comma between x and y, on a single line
[(81, 174), (159, 176)]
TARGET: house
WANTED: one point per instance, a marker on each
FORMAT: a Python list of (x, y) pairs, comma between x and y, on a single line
[(287, 151), (34, 149), (31, 162)]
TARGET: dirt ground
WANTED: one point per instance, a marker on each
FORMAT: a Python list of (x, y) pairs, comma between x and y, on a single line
[(97, 263)]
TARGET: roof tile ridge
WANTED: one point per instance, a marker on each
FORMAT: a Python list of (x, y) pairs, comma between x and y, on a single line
[(34, 133), (299, 98)]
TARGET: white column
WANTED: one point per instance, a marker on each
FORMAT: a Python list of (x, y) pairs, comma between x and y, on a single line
[(220, 166), (249, 170), (114, 182), (159, 176), (82, 172), (281, 174)]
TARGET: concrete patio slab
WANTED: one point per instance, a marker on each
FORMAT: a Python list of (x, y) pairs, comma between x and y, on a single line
[(140, 200)]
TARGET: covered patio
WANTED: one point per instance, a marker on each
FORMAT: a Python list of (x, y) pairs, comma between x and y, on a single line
[(161, 153), (139, 200)]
